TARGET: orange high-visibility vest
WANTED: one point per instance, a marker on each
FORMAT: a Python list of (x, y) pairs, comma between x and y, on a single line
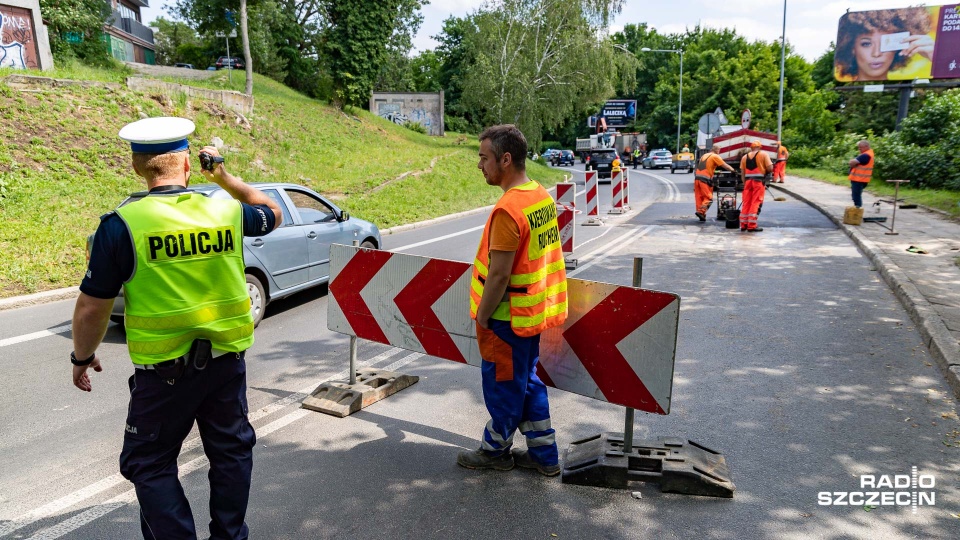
[(538, 281), (704, 173), (782, 154), (751, 167), (862, 173)]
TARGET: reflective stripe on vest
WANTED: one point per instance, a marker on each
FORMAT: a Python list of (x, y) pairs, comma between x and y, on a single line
[(538, 284), (188, 282), (702, 173), (862, 173), (751, 169)]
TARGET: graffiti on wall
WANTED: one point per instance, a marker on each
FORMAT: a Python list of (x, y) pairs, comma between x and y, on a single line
[(18, 47), (413, 108)]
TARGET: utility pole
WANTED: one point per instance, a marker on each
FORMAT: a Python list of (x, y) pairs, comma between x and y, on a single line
[(783, 57)]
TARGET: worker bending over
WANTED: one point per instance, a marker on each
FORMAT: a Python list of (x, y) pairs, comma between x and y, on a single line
[(703, 181)]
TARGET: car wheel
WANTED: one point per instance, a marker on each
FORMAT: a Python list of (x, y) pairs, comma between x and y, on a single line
[(367, 244), (672, 170), (258, 299)]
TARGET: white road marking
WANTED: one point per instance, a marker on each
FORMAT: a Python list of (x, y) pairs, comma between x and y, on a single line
[(438, 239), (36, 335), (611, 248), (114, 480), (673, 190)]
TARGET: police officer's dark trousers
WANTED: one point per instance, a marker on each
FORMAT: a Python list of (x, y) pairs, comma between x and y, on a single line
[(515, 397), (159, 419)]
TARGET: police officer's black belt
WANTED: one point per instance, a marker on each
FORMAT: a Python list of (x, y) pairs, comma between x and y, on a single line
[(171, 363)]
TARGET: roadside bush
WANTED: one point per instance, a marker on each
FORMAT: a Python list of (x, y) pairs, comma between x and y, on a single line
[(458, 124), (415, 126), (805, 157)]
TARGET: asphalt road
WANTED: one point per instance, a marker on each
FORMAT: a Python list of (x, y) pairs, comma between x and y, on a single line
[(794, 360)]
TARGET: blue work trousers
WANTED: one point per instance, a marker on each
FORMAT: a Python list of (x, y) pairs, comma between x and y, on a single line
[(515, 397), (856, 190), (160, 417)]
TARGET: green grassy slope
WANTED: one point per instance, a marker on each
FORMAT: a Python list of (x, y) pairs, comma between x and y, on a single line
[(62, 166)]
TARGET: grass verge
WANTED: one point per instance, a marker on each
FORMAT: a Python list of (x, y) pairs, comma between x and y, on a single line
[(63, 165), (941, 199)]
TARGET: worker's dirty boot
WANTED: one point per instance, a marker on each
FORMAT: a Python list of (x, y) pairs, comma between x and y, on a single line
[(523, 459), (758, 229), (700, 216), (478, 459)]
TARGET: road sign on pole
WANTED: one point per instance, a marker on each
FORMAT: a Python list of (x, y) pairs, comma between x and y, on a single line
[(617, 345)]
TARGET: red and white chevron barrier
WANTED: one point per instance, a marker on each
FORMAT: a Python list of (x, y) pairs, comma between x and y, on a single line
[(618, 344), (566, 212), (616, 193), (592, 196), (626, 188)]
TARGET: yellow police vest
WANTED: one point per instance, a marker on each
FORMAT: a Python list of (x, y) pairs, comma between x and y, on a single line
[(188, 281)]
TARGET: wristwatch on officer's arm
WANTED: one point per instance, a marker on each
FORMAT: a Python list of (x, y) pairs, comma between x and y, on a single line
[(77, 362)]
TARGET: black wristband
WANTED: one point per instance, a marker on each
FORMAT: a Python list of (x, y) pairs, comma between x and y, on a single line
[(87, 362)]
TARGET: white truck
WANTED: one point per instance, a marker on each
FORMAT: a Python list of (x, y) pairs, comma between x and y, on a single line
[(599, 141)]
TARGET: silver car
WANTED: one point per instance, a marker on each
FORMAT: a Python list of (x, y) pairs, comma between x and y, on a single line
[(296, 255)]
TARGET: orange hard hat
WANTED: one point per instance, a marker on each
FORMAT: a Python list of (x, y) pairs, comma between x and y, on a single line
[(756, 144)]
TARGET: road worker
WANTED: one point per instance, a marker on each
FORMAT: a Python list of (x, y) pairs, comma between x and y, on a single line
[(861, 171), (780, 166), (518, 290), (703, 181), (754, 167), (685, 150)]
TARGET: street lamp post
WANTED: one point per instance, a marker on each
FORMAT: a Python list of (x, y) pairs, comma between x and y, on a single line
[(680, 104), (783, 56)]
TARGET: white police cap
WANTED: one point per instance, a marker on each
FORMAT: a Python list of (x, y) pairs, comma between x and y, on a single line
[(158, 135)]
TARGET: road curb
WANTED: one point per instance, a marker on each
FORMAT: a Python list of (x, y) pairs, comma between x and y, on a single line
[(434, 221), (943, 348), (38, 298)]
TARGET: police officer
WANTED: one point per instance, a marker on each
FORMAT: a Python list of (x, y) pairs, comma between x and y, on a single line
[(178, 256), (518, 290)]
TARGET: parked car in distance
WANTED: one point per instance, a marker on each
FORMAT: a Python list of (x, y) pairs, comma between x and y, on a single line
[(230, 62), (657, 159), (182, 65), (561, 157), (293, 257), (601, 160)]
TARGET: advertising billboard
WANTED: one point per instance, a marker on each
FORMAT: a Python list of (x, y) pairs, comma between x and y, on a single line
[(899, 44), (619, 112)]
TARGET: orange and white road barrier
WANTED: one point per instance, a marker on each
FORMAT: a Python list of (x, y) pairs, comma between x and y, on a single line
[(616, 193)]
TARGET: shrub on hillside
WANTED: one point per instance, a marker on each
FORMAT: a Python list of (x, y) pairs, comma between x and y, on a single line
[(415, 126)]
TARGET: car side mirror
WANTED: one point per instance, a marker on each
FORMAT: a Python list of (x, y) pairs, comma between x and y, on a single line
[(344, 215)]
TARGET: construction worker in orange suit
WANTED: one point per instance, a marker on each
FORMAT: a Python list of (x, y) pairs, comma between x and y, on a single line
[(754, 166), (518, 290), (703, 181), (780, 167)]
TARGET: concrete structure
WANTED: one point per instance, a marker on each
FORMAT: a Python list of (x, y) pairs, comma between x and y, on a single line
[(230, 99), (424, 108), (23, 37), (126, 37)]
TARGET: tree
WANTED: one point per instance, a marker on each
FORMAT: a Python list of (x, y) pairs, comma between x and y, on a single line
[(534, 62), (245, 37), (83, 20)]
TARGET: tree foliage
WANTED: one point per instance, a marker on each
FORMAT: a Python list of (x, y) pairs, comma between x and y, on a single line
[(533, 61), (78, 18)]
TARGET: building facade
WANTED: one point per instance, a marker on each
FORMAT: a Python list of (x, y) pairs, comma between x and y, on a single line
[(125, 35)]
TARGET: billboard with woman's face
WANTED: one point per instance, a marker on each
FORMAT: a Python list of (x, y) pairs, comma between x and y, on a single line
[(899, 44)]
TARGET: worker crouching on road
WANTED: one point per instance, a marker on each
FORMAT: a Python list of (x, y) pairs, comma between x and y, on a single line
[(518, 290), (178, 255), (703, 181), (754, 166)]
